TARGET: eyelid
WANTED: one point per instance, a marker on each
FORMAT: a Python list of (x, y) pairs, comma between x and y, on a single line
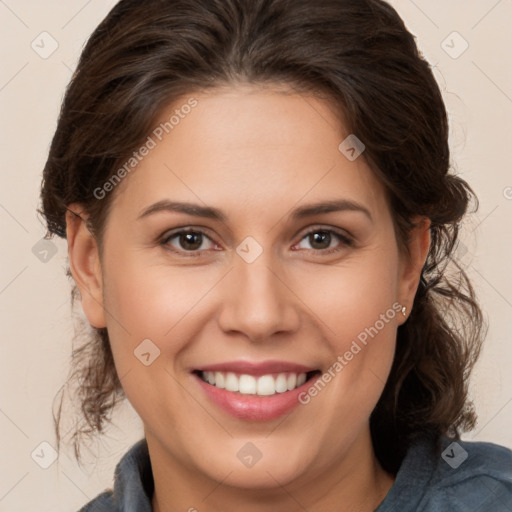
[(343, 233)]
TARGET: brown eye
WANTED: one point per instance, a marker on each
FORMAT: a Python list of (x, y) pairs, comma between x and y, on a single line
[(188, 241), (325, 241), (320, 239)]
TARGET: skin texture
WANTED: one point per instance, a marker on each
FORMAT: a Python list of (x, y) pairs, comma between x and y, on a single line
[(257, 155)]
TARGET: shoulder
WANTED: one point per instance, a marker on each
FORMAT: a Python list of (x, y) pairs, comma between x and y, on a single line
[(443, 475), (133, 484), (104, 502), (470, 476)]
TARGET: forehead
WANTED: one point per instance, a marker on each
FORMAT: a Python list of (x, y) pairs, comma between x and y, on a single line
[(247, 147)]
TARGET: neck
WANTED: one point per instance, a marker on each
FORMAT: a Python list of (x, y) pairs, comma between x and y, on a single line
[(358, 482)]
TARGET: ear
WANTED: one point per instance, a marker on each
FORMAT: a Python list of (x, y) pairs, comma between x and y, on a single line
[(412, 262), (84, 263)]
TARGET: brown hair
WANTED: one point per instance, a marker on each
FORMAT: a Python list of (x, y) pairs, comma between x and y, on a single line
[(357, 54)]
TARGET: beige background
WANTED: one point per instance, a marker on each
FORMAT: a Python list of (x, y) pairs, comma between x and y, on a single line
[(34, 296)]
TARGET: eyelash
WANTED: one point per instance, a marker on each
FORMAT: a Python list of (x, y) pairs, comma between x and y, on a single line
[(344, 239)]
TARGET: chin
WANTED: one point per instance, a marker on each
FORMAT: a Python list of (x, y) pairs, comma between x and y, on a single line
[(262, 476), (263, 464)]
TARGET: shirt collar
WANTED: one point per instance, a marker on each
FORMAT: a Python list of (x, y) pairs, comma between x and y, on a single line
[(133, 480)]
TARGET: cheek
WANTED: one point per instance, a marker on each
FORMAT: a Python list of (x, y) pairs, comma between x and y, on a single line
[(358, 310), (156, 302), (352, 296)]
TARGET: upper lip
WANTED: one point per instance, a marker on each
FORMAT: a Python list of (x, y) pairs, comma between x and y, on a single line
[(256, 368)]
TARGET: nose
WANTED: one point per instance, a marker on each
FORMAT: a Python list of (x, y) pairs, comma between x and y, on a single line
[(257, 301)]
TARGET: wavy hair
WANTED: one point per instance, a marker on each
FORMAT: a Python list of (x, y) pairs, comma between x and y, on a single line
[(359, 57)]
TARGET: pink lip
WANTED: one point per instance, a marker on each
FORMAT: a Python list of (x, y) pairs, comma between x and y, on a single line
[(257, 369), (251, 407)]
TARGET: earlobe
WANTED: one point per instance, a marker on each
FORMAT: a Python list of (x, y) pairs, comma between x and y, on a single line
[(413, 262), (84, 263)]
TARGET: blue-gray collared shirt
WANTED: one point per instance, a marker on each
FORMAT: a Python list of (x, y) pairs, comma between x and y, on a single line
[(465, 477)]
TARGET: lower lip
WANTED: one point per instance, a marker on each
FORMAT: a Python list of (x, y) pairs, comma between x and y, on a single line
[(253, 407)]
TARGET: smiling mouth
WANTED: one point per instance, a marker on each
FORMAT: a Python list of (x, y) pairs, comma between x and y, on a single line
[(263, 385)]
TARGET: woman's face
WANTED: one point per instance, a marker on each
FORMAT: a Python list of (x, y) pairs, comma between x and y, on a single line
[(290, 267)]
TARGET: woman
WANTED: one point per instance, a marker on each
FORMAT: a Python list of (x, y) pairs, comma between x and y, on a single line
[(260, 221)]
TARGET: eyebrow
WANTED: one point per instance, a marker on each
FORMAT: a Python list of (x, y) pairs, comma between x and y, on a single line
[(214, 213), (330, 206), (179, 207)]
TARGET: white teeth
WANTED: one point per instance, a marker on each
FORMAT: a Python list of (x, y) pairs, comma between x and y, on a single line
[(264, 385), (219, 380), (231, 382), (301, 379), (247, 385), (281, 383), (291, 381)]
